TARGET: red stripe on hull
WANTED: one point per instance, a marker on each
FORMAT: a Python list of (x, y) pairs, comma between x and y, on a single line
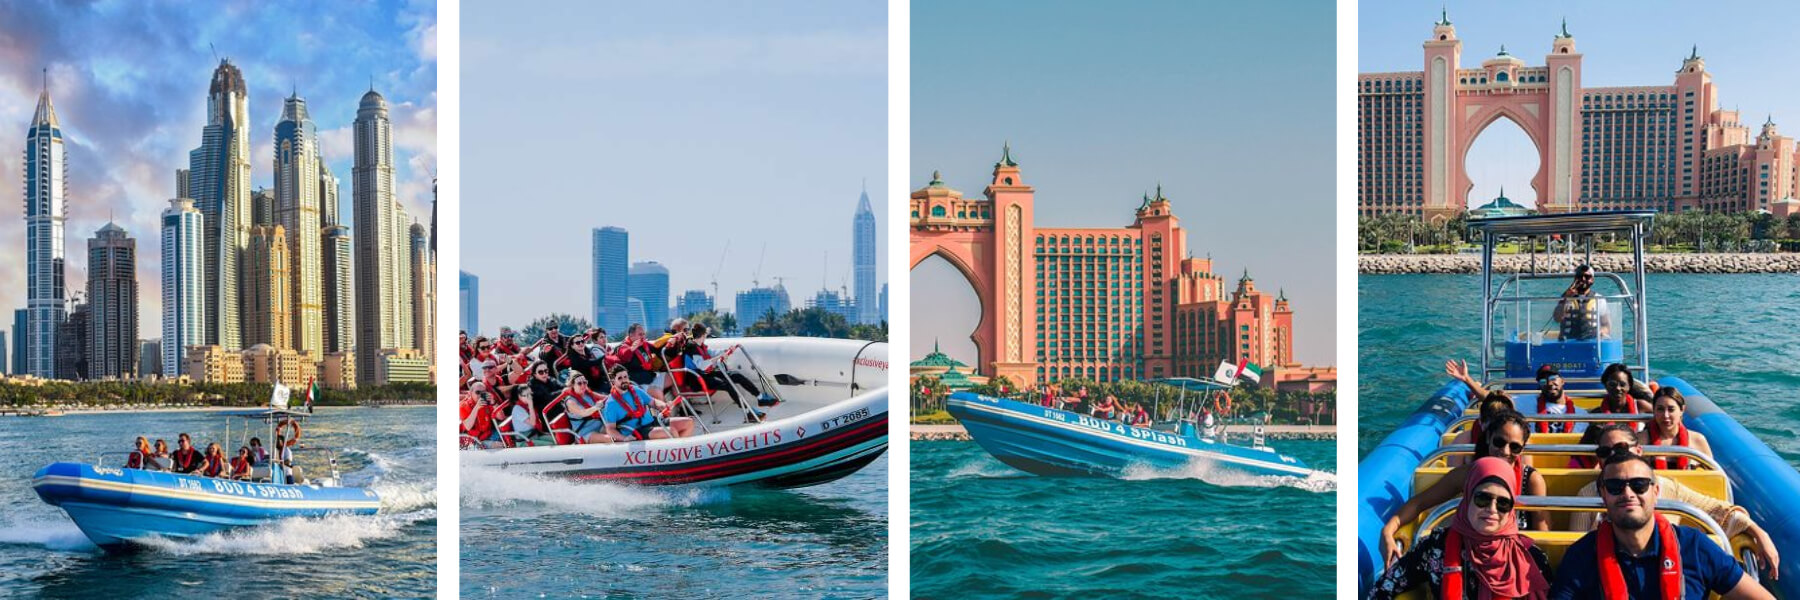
[(821, 446)]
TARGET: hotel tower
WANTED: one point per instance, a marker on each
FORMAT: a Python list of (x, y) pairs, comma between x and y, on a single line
[(45, 177), (298, 204), (218, 179)]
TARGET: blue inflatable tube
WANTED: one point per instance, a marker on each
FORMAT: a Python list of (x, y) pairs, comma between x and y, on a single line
[(1384, 477), (1763, 483)]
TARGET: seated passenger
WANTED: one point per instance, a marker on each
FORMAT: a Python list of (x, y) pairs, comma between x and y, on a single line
[(477, 412), (631, 414), (1481, 554), (258, 455), (1619, 438), (1579, 314), (1506, 441), (1592, 437), (1666, 429), (584, 406), (140, 454), (636, 355), (215, 462), (1552, 400), (1637, 553), (159, 458), (524, 411), (1104, 408), (1621, 397), (185, 459), (242, 464), (701, 358)]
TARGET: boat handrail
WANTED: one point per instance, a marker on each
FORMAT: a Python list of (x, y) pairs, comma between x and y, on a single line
[(1701, 520), (1566, 380), (1566, 418), (1677, 451), (100, 459)]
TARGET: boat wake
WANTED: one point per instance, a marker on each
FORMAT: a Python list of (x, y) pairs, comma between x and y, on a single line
[(486, 488), (1209, 471), (295, 536), (55, 535), (987, 469)]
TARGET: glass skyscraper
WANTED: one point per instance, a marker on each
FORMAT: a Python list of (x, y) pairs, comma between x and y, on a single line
[(612, 248)]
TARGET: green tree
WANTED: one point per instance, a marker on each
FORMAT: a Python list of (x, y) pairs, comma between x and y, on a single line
[(567, 324)]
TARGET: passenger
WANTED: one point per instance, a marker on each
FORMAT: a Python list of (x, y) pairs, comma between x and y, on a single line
[(1621, 396), (483, 359), (508, 343), (284, 455), (631, 414), (242, 464), (1591, 437), (1506, 441), (159, 459), (215, 462), (186, 459), (1489, 403), (524, 412), (258, 454), (1481, 554), (544, 388), (1581, 315), (635, 354), (1637, 553), (714, 377), (477, 411), (463, 348), (1666, 429), (1104, 408), (140, 454), (1552, 400), (584, 407), (1619, 438)]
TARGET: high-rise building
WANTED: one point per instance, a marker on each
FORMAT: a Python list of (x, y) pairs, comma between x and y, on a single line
[(150, 358), (268, 292), (468, 289), (183, 283), (834, 302), (262, 208), (756, 303), (20, 318), (649, 283), (403, 289), (298, 201), (219, 181), (612, 253), (380, 240), (328, 195), (884, 304), (692, 301), (72, 343), (5, 365), (181, 184), (340, 302), (424, 292), (863, 259), (46, 176), (112, 348)]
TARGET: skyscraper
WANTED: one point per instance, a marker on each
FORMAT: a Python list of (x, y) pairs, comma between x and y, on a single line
[(297, 207), (5, 366), (328, 195), (20, 317), (45, 178), (112, 348), (424, 292), (262, 208), (149, 358), (340, 302), (863, 258), (649, 283), (612, 249), (380, 241), (468, 289), (268, 291), (183, 283), (71, 344), (758, 302), (834, 302), (219, 181), (693, 301)]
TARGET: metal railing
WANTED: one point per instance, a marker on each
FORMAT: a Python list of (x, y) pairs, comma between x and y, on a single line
[(1688, 452), (1701, 520)]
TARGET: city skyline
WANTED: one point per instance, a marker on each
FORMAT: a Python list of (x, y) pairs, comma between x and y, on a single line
[(129, 123), (691, 127)]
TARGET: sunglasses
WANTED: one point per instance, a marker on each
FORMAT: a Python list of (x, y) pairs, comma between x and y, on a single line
[(1500, 504), (1550, 379), (1615, 486), (1500, 443)]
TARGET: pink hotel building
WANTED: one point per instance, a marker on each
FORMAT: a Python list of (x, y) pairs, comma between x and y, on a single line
[(1661, 147)]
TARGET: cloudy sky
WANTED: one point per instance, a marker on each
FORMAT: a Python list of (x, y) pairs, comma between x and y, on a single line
[(1230, 106), (129, 82), (697, 126)]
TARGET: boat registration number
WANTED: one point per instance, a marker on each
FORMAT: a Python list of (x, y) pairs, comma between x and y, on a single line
[(255, 490)]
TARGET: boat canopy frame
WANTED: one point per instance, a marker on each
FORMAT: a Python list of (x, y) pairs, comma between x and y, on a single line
[(1575, 228)]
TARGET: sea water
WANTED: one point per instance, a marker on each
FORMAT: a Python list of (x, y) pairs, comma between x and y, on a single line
[(981, 529), (391, 554), (1736, 338), (534, 536)]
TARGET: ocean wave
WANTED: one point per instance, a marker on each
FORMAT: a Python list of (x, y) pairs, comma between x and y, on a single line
[(294, 536), (58, 534), (406, 497), (486, 488), (1211, 472), (986, 469)]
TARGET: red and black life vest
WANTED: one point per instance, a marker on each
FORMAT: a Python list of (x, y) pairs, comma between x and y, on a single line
[(240, 466), (136, 460), (1543, 408), (1612, 579), (1453, 572), (185, 460), (214, 467), (1681, 439)]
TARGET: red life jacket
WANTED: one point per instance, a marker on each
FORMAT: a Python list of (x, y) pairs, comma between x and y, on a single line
[(1612, 580), (1543, 408), (563, 420), (503, 418), (213, 468), (240, 465), (482, 429), (184, 460), (1681, 439), (632, 411), (558, 425), (1453, 577), (136, 461)]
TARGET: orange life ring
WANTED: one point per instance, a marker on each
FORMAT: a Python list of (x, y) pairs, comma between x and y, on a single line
[(287, 423)]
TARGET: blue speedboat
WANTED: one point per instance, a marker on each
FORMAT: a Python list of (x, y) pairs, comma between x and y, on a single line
[(1050, 441), (115, 506)]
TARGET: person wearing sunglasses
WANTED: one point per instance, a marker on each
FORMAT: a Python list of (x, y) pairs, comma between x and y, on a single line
[(1638, 553), (1552, 401), (1507, 435), (1581, 315), (1481, 554), (544, 388), (1614, 438), (1622, 394)]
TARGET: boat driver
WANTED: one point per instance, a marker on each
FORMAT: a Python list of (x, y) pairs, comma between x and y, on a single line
[(1637, 553), (185, 459), (1581, 315)]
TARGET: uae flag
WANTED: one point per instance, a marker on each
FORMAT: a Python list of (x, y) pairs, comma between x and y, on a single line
[(1249, 370), (312, 392)]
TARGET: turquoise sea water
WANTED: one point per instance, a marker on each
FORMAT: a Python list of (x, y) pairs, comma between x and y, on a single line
[(1734, 337), (388, 555), (525, 536), (981, 529)]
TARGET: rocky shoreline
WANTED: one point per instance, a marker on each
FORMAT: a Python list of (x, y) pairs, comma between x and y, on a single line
[(1400, 264), (955, 433)]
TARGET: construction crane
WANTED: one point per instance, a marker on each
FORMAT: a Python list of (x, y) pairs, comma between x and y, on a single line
[(721, 267)]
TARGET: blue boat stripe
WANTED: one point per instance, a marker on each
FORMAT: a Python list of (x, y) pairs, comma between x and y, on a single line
[(200, 495), (1129, 440)]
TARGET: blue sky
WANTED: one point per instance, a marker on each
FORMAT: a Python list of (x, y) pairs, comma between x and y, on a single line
[(1230, 106), (129, 82), (1747, 47), (692, 125)]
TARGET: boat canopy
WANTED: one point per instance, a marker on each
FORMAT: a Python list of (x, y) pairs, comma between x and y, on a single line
[(265, 414), (1614, 221), (1191, 384)]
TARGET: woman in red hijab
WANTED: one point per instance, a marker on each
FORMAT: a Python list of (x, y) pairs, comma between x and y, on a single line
[(1481, 555)]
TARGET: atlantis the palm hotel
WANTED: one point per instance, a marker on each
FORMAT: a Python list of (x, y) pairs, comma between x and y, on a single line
[(1665, 147), (1098, 303)]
